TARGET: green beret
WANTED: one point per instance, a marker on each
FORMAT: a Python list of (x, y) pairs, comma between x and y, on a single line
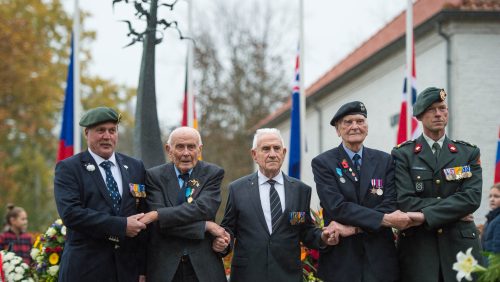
[(99, 115), (426, 98), (351, 108)]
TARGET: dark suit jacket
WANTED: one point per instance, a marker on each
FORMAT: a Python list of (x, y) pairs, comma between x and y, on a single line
[(429, 249), (96, 247), (258, 255), (180, 229), (346, 201)]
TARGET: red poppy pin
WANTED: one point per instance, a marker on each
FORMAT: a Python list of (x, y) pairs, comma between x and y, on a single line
[(452, 148), (418, 148), (345, 164)]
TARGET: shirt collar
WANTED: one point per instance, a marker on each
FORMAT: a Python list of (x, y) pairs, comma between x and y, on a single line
[(351, 153), (178, 172), (263, 179), (430, 141), (98, 159)]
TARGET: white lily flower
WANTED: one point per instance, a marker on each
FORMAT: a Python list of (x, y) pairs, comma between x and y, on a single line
[(465, 265)]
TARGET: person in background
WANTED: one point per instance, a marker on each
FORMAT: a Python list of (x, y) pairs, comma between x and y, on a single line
[(14, 238), (491, 231)]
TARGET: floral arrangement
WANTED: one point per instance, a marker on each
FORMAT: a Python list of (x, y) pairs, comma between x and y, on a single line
[(309, 257), (466, 265), (47, 251), (13, 268)]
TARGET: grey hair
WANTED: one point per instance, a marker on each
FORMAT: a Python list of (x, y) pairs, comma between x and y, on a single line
[(184, 128), (263, 131)]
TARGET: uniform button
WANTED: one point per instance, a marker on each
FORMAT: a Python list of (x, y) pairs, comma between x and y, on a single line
[(418, 177), (440, 230), (438, 181), (439, 198)]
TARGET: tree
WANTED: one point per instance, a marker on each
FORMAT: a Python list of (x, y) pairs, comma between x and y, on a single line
[(240, 80), (34, 57)]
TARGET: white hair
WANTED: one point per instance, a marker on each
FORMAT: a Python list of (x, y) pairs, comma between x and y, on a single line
[(182, 129), (262, 131)]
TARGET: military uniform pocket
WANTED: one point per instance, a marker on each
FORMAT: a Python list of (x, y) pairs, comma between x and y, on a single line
[(421, 179)]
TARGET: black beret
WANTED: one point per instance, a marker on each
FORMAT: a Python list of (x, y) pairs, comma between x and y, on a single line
[(426, 98), (99, 115), (351, 108)]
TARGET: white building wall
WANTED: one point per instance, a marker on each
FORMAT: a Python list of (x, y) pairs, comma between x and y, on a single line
[(475, 97)]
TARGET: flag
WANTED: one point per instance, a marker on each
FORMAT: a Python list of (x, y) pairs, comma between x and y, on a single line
[(497, 163), (66, 138), (295, 130), (405, 108)]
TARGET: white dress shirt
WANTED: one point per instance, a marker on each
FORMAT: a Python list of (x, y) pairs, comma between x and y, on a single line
[(264, 188), (114, 169)]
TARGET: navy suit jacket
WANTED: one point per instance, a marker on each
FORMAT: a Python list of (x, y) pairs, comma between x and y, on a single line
[(96, 247), (259, 255), (348, 199)]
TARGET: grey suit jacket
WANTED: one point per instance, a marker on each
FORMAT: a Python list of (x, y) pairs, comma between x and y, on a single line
[(180, 229), (259, 255)]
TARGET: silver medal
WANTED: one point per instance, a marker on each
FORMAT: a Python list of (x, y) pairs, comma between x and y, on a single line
[(342, 179)]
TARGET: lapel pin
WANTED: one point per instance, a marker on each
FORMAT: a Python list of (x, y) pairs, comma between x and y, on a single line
[(452, 148), (418, 148)]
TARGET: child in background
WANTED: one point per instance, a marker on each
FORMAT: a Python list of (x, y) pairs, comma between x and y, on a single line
[(491, 233), (14, 238)]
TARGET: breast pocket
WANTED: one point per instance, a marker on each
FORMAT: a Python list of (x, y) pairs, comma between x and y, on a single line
[(422, 180)]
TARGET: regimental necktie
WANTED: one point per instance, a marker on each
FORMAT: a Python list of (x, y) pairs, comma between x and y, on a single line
[(437, 149), (356, 162), (112, 186), (275, 201), (181, 198)]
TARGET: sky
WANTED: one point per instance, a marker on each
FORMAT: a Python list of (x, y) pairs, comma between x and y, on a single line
[(332, 30)]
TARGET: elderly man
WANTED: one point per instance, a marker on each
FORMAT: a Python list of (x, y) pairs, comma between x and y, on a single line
[(355, 185), (94, 200), (439, 183), (183, 197), (268, 214)]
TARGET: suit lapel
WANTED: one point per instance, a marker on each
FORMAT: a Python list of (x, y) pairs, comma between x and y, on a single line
[(290, 196), (349, 171), (126, 197), (171, 189), (255, 199), (367, 168), (426, 154), (197, 175), (97, 177)]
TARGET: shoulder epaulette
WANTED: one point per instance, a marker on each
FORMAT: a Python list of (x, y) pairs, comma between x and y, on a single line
[(464, 143), (404, 144)]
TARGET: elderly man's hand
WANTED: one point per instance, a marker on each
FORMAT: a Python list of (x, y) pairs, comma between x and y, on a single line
[(397, 219), (219, 244), (149, 217), (134, 226)]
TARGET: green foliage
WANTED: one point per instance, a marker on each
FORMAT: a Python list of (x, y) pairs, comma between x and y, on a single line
[(492, 272)]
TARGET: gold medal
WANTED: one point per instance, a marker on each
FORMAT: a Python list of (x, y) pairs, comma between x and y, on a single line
[(190, 199)]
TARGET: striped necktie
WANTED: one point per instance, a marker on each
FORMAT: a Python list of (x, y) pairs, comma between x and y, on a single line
[(275, 201), (112, 186)]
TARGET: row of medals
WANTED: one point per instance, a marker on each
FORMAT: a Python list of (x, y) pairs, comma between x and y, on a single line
[(457, 173)]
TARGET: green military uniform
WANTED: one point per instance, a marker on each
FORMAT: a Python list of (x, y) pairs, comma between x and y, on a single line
[(445, 190)]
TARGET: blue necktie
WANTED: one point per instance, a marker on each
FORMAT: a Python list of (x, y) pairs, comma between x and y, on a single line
[(275, 201), (112, 186), (356, 163), (181, 198)]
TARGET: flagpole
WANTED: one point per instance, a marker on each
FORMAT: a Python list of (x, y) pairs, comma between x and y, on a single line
[(302, 91), (76, 80), (190, 92), (409, 67)]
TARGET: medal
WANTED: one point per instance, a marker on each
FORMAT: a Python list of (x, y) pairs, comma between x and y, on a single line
[(373, 190), (342, 179), (190, 199), (380, 192)]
